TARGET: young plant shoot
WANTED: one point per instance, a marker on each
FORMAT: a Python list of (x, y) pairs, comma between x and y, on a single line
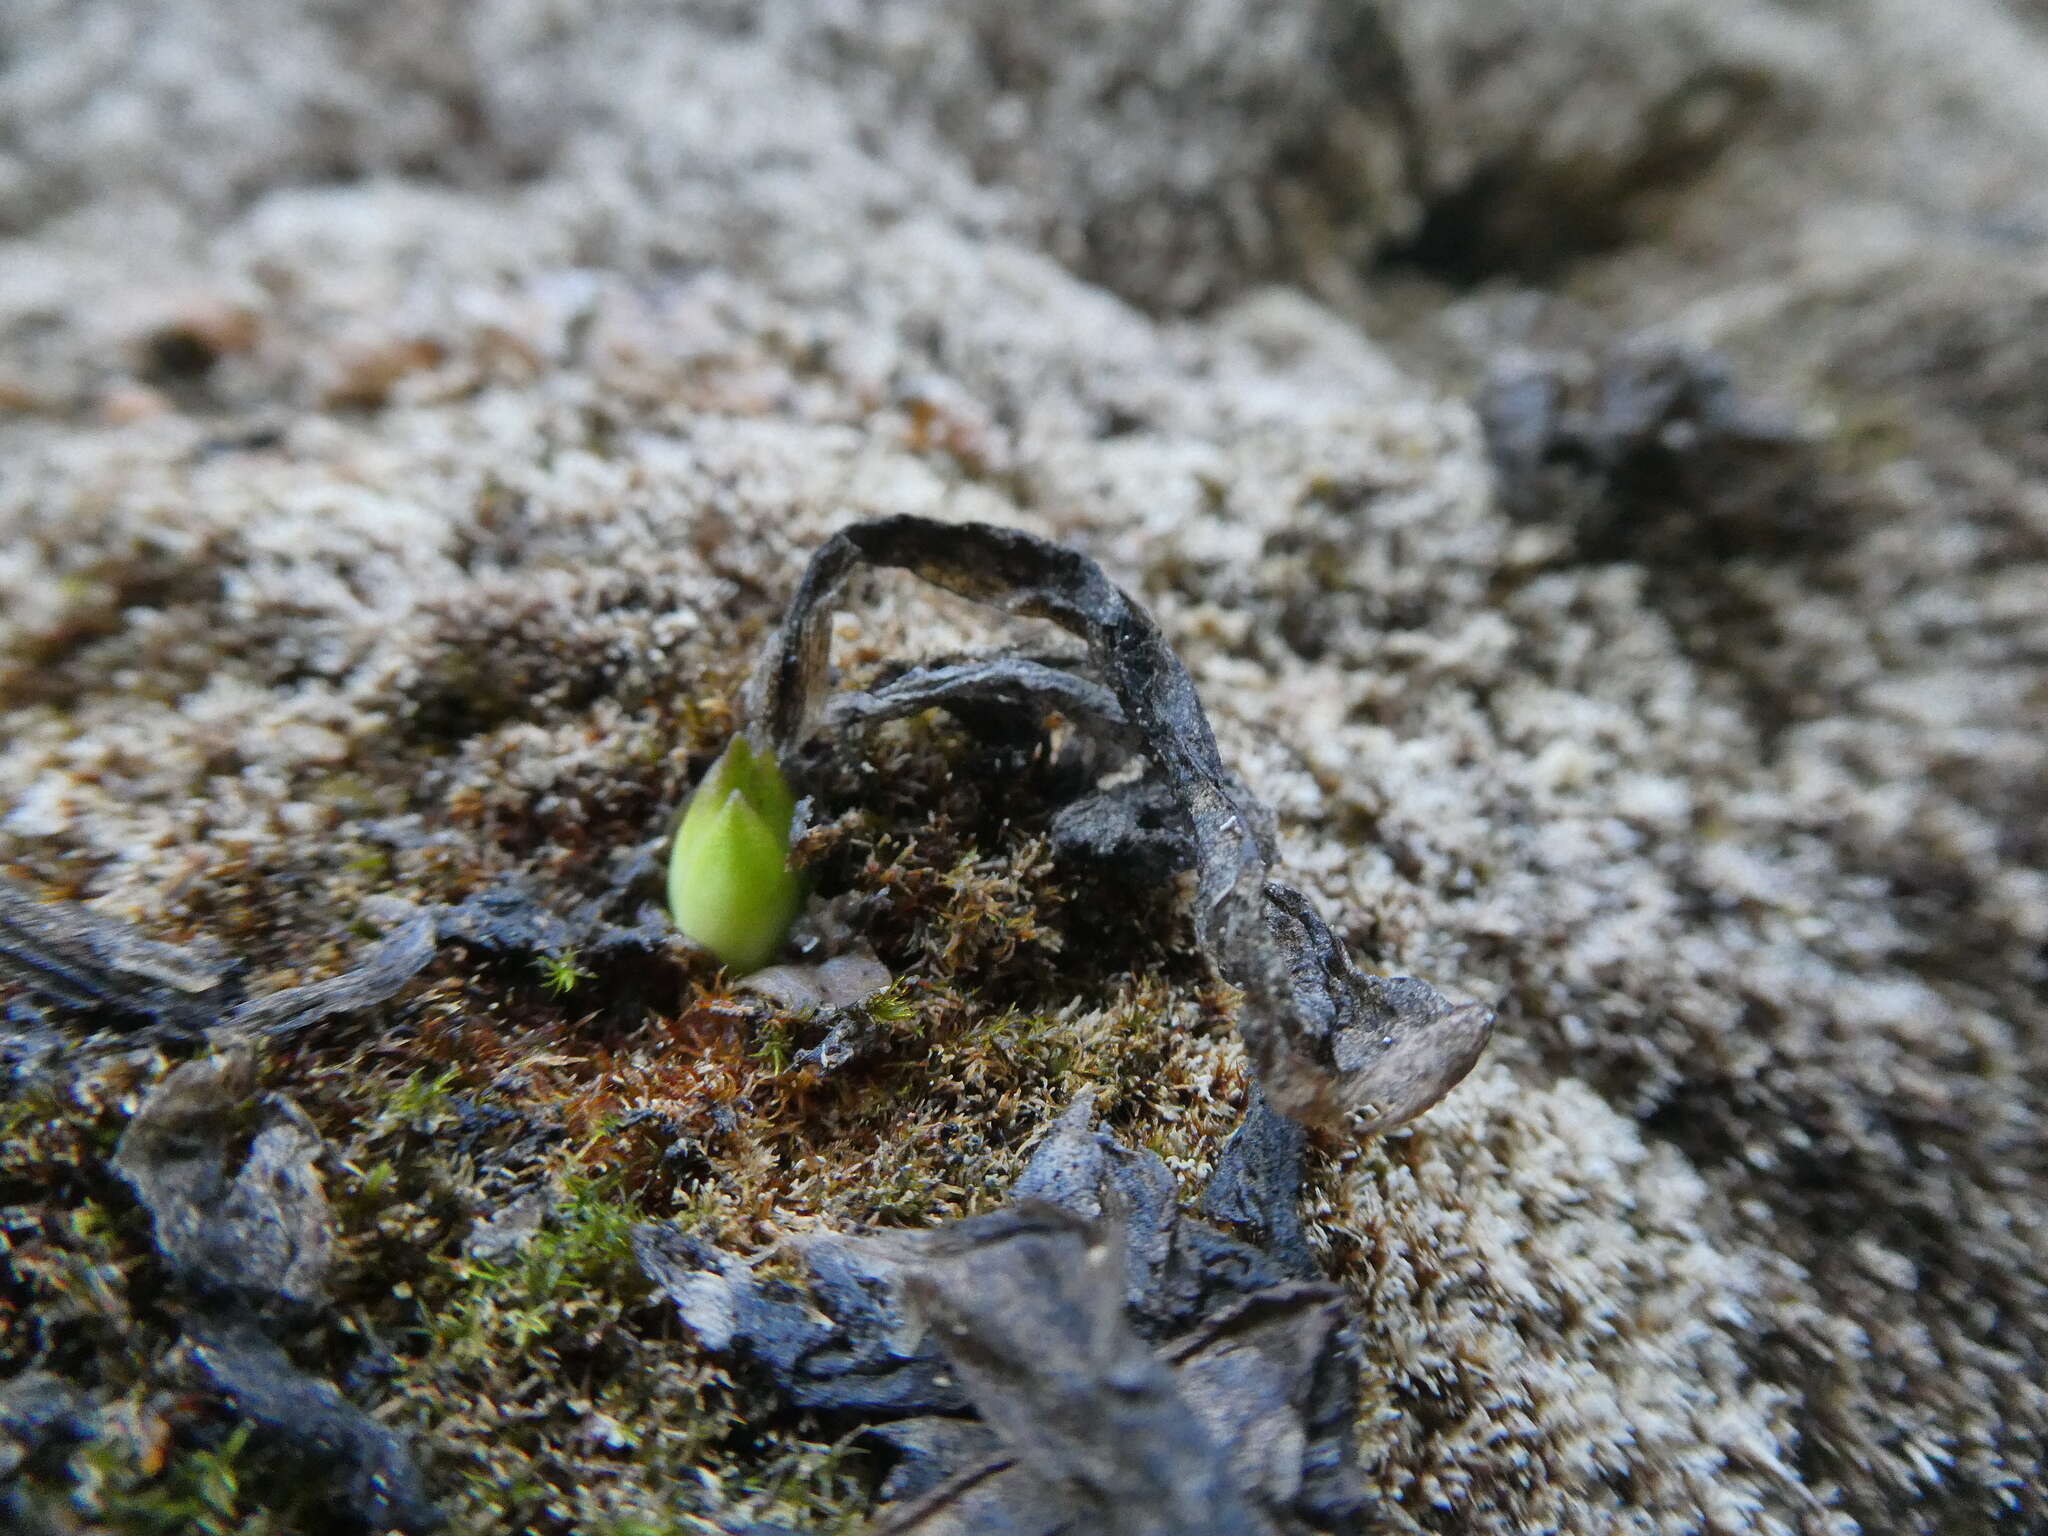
[(730, 887)]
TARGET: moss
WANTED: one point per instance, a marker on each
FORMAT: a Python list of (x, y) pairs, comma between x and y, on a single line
[(546, 1389), (560, 973), (134, 1488)]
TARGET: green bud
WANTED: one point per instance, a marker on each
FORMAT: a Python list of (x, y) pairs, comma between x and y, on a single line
[(730, 887)]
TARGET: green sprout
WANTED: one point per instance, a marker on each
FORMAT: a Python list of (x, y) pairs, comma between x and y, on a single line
[(560, 973), (730, 887)]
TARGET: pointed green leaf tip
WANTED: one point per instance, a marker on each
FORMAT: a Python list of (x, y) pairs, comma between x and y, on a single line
[(730, 887)]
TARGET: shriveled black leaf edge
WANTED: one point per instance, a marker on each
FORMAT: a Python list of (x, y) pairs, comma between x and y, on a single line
[(73, 956), (248, 1248), (389, 965), (847, 1340), (1331, 1044), (79, 958), (1013, 682), (378, 1482)]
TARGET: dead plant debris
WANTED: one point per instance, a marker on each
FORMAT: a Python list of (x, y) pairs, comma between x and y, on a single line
[(408, 1244), (77, 957), (1332, 1045), (1136, 1370)]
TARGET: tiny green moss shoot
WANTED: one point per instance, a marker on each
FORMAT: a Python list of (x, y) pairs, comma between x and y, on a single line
[(560, 973)]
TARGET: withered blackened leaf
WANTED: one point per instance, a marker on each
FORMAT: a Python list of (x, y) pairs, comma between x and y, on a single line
[(1255, 1376), (1113, 1346), (1330, 1043), (1257, 1186), (1092, 1175), (252, 1248), (1186, 1281), (1134, 828), (76, 957), (930, 1450), (388, 966), (1008, 682), (1632, 447), (854, 1352), (512, 917), (1028, 1304), (263, 1232), (993, 1497), (1177, 1272), (1092, 1427), (1396, 1044), (380, 1486), (73, 955)]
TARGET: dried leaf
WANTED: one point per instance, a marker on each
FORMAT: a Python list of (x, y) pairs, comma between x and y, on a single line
[(75, 956), (993, 1497), (1256, 1185), (252, 1249), (832, 992), (1253, 1377), (512, 918), (378, 1482), (1134, 1369), (929, 1451), (1012, 683), (378, 976), (1135, 828), (264, 1232), (855, 1350), (1330, 1044), (1028, 1303)]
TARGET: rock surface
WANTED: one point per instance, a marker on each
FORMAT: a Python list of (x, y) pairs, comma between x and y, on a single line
[(412, 417)]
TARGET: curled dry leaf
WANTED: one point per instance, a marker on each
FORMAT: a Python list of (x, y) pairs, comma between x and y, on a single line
[(1331, 1044), (1133, 1369), (1027, 1303), (250, 1244), (376, 977), (377, 1483), (847, 1347), (996, 682), (1255, 1183), (81, 959), (78, 958), (262, 1230)]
